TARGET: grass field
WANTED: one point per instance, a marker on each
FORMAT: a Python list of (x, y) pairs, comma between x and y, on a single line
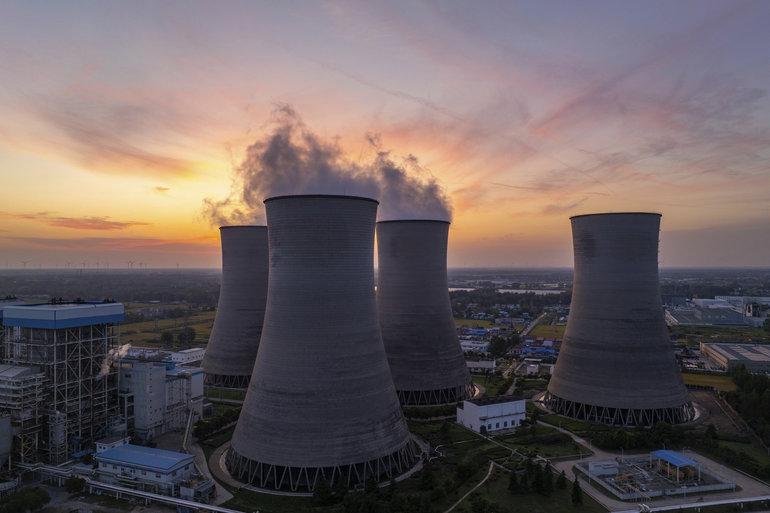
[(473, 323), (548, 331), (721, 383), (148, 332), (693, 335)]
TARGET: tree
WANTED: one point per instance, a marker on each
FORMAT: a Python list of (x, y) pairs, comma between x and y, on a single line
[(547, 481), (577, 493), (766, 325), (427, 481), (167, 338), (322, 495), (561, 481), (186, 336), (74, 484), (711, 432), (537, 479), (513, 483)]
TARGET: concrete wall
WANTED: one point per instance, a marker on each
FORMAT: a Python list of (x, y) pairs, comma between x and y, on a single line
[(321, 393), (616, 350), (237, 329), (415, 313)]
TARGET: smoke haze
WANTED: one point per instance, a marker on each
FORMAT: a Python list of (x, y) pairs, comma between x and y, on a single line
[(112, 356), (291, 159)]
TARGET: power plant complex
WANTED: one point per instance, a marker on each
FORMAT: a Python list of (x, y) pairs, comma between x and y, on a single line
[(321, 404), (617, 364), (418, 329), (234, 340)]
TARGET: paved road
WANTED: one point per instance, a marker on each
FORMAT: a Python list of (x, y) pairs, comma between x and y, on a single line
[(222, 495)]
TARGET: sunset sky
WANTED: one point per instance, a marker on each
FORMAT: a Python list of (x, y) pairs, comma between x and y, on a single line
[(117, 119)]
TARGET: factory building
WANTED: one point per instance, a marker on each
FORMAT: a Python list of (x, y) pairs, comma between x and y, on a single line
[(73, 345), (156, 396), (234, 339), (755, 357), (21, 402), (324, 407), (152, 470), (616, 364), (418, 330), (490, 414)]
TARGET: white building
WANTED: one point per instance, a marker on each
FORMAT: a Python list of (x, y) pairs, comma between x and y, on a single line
[(156, 396), (470, 345), (490, 414), (154, 470), (486, 366), (188, 356)]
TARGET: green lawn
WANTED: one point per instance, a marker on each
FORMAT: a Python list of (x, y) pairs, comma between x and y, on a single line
[(698, 334), (493, 383), (720, 382), (473, 323), (224, 393), (548, 331), (496, 491), (148, 332)]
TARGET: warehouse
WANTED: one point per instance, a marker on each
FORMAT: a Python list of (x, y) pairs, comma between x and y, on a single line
[(488, 414), (755, 357)]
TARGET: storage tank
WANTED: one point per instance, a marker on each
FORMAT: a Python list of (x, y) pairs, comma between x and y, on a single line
[(234, 340), (321, 404), (616, 364), (418, 329)]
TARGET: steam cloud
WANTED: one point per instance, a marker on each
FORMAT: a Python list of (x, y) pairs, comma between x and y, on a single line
[(112, 356), (291, 159)]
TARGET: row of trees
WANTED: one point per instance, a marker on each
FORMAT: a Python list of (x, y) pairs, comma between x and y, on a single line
[(184, 337), (204, 428), (25, 500)]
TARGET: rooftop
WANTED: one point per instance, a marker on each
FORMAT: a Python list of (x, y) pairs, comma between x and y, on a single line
[(754, 353), (675, 458), (63, 315), (494, 399), (148, 457)]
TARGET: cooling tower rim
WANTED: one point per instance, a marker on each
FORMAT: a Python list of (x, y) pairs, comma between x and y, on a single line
[(619, 214), (242, 226), (414, 221), (338, 196)]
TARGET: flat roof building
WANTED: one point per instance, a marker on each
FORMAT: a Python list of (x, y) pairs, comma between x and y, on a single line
[(755, 357), (153, 470), (490, 414)]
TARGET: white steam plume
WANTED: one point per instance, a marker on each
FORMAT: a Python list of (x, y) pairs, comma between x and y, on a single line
[(290, 159), (111, 357)]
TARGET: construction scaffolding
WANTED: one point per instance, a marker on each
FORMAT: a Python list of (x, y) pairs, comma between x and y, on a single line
[(21, 398), (81, 390)]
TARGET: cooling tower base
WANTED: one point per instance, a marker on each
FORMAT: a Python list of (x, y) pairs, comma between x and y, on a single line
[(619, 416), (225, 381), (435, 397), (305, 479)]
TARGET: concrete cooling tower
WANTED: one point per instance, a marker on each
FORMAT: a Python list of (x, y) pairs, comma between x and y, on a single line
[(616, 364), (418, 329), (232, 347), (321, 404)]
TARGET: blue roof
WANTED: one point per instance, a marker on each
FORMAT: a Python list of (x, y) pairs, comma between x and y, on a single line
[(148, 457), (675, 458)]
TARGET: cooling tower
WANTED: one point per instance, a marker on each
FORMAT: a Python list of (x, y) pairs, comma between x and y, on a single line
[(418, 330), (321, 403), (616, 364), (232, 347)]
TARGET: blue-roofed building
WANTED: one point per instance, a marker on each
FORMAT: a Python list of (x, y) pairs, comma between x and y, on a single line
[(153, 470), (73, 344), (675, 464)]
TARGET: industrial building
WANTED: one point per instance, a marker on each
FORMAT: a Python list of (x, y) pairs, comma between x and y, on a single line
[(324, 407), (490, 414), (415, 313), (73, 345), (755, 357), (21, 401), (152, 470), (234, 339), (616, 363), (158, 396)]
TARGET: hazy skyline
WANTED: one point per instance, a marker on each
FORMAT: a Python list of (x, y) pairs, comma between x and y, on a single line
[(117, 120)]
